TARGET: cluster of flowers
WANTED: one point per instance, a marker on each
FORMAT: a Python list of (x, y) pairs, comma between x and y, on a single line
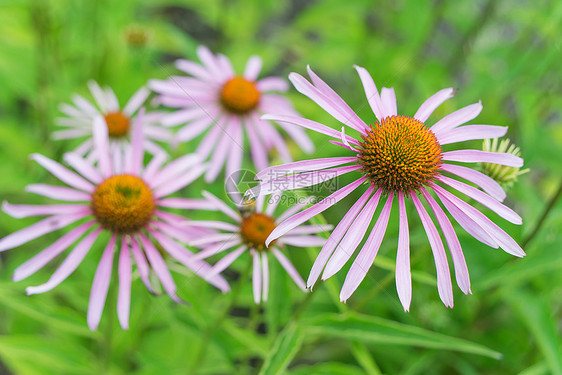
[(110, 187)]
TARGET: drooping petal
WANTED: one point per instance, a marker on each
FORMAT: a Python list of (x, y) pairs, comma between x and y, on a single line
[(19, 211), (277, 171), (367, 255), (288, 266), (403, 272), (216, 248), (319, 207), (226, 261), (257, 148), (336, 237), (310, 229), (471, 132), (256, 275), (100, 285), (48, 254), (38, 229), (140, 261), (234, 158), (68, 265), (444, 285), (68, 177), (58, 192), (461, 270), (352, 238), (302, 203), (219, 156), (264, 276), (124, 293)]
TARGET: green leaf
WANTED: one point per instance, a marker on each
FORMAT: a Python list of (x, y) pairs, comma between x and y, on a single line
[(539, 318), (283, 350), (370, 329), (328, 368)]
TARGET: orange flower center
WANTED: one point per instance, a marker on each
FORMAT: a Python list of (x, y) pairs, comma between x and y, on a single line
[(117, 124), (400, 154), (122, 203), (255, 229), (239, 95)]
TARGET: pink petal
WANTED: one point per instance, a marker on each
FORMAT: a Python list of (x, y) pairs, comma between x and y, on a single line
[(226, 261), (124, 294), (303, 241), (83, 167), (253, 68), (295, 208), (272, 84), (100, 285), (479, 196), (58, 192), (50, 253), (351, 118), (328, 100), (215, 249), (488, 184), (461, 270), (101, 146), (299, 136), (466, 222), (183, 116), (257, 149), (181, 182), (194, 129), (136, 101), (179, 233), (444, 285), (277, 171), (268, 132), (234, 160), (19, 211), (403, 272), (70, 134), (223, 207), (388, 99), (457, 118), (85, 106), (63, 174), (352, 238), (372, 93), (336, 237), (225, 65), (507, 243), (308, 124), (208, 143), (367, 255), (256, 275), (319, 207), (160, 268), (288, 266), (470, 132), (194, 69), (38, 229), (186, 203), (210, 62), (213, 238), (265, 276), (310, 229), (301, 180), (477, 156), (136, 148), (140, 261), (68, 265), (172, 171), (212, 224), (434, 101), (154, 166), (219, 156), (185, 257)]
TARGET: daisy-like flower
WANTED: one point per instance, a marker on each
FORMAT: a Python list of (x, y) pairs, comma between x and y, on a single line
[(119, 121), (128, 206), (230, 105), (253, 223), (399, 157)]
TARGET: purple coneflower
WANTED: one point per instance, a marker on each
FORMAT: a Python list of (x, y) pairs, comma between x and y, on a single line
[(81, 115), (216, 97), (398, 157), (128, 205), (253, 222)]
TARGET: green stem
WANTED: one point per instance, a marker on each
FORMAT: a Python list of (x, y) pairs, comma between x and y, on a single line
[(210, 330), (544, 215)]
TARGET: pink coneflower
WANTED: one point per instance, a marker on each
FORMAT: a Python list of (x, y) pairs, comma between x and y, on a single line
[(81, 115), (253, 222), (128, 205), (398, 157), (216, 97)]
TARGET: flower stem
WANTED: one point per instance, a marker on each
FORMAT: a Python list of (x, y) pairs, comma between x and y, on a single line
[(544, 215)]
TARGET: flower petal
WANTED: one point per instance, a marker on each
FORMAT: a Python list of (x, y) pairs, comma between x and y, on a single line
[(288, 266), (470, 132), (68, 177), (124, 293), (457, 118), (388, 99), (253, 68), (403, 272), (477, 156), (136, 101), (488, 184), (372, 93), (100, 285), (434, 101), (101, 146), (58, 192)]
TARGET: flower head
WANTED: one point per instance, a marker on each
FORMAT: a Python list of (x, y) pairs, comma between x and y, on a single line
[(128, 205), (505, 175), (228, 104), (253, 223), (119, 122), (399, 157)]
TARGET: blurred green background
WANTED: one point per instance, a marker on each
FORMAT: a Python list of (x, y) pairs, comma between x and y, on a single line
[(506, 53)]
